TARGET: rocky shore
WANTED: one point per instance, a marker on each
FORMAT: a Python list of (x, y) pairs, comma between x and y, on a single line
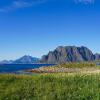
[(64, 70)]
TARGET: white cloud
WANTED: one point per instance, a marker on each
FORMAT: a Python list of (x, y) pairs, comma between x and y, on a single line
[(17, 4), (85, 1)]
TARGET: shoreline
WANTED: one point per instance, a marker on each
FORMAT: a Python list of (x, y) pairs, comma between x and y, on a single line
[(64, 70)]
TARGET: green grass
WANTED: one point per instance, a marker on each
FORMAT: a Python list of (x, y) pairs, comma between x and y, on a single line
[(77, 65), (50, 87)]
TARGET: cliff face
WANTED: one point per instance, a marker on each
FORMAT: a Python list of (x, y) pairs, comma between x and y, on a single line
[(63, 54)]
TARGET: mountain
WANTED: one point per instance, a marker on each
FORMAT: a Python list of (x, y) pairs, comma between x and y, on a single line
[(63, 54), (6, 62), (26, 60), (97, 56)]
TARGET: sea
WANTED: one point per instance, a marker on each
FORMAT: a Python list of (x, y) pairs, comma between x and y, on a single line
[(19, 68)]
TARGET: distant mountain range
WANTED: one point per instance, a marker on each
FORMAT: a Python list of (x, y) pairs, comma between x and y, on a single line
[(6, 62), (26, 60), (61, 54), (23, 60)]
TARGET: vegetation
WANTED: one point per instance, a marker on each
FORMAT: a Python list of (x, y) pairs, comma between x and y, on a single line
[(81, 67), (77, 65), (50, 87)]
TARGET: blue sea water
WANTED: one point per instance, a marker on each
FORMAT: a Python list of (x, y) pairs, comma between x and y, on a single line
[(17, 68)]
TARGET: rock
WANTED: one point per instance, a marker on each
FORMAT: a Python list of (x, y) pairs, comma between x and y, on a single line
[(63, 54)]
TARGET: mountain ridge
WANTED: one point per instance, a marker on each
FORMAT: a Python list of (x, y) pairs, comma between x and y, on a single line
[(26, 59), (63, 54)]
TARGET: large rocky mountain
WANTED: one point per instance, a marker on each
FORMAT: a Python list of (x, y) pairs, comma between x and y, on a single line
[(63, 54)]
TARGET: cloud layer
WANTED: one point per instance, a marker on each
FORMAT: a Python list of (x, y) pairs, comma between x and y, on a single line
[(85, 1), (17, 4)]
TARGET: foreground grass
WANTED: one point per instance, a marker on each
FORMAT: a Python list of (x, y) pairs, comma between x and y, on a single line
[(50, 87)]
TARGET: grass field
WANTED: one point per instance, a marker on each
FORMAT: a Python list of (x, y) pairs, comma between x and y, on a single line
[(50, 87)]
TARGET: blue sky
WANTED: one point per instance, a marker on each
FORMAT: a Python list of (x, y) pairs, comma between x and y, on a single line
[(34, 27)]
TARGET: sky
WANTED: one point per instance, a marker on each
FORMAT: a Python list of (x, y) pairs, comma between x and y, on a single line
[(34, 27)]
